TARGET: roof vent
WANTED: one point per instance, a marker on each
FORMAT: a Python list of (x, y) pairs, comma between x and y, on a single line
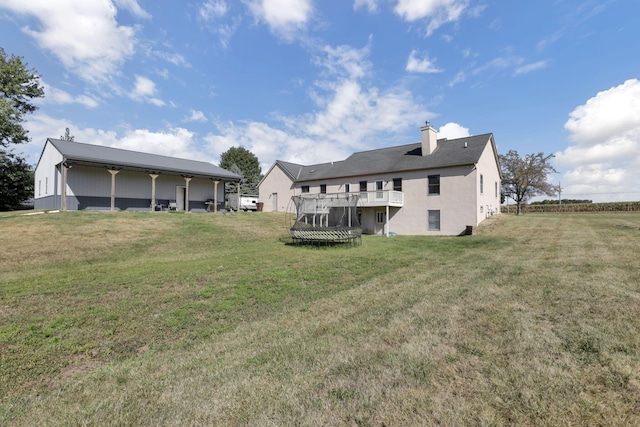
[(465, 144)]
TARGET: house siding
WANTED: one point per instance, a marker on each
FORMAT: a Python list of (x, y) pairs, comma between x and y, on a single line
[(276, 181), (459, 202)]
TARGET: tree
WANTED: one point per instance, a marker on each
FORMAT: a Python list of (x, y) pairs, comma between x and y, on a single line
[(18, 86), (523, 178), (16, 181), (243, 162)]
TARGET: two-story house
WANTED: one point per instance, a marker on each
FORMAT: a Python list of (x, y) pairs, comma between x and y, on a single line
[(433, 187)]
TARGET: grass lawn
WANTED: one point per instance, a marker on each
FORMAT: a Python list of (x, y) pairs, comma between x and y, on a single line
[(213, 319)]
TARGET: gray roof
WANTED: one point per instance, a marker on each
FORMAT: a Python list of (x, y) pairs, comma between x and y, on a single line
[(452, 152), (97, 155)]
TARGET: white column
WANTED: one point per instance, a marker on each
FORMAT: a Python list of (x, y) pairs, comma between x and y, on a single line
[(153, 191), (65, 169), (215, 195), (113, 173), (387, 220), (187, 179)]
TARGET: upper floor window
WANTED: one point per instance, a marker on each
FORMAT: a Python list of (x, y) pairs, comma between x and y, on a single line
[(305, 188), (496, 187), (397, 184), (481, 184), (434, 184), (323, 188), (363, 185), (347, 188)]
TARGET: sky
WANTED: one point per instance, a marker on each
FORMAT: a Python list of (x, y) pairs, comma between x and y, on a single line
[(311, 81)]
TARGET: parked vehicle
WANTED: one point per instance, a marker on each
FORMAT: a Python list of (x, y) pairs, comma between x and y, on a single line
[(247, 202)]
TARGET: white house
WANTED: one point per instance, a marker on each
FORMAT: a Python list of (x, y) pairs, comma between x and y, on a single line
[(75, 176), (433, 187)]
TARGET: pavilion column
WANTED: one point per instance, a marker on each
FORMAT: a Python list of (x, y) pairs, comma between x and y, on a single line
[(113, 173), (65, 170), (239, 188), (187, 179), (153, 191), (215, 195)]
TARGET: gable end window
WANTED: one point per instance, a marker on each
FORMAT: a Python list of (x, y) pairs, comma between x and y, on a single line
[(397, 184), (481, 184), (434, 184), (305, 188)]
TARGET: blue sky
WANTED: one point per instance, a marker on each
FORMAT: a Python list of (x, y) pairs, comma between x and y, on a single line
[(313, 81)]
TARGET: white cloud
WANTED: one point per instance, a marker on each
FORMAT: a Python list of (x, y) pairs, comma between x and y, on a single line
[(214, 13), (196, 116), (527, 68), (453, 130), (83, 35), (285, 18), (145, 90), (212, 10), (172, 141), (133, 7), (370, 5), (438, 12), (57, 96), (351, 115), (605, 155), (420, 65)]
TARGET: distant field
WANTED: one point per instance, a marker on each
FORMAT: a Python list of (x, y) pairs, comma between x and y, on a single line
[(213, 319)]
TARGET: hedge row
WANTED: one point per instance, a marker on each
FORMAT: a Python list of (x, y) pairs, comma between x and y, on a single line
[(581, 207)]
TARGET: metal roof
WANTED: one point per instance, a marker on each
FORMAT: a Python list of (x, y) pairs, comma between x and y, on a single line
[(448, 153), (98, 155)]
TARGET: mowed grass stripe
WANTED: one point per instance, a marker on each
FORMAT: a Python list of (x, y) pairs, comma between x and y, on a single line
[(492, 329)]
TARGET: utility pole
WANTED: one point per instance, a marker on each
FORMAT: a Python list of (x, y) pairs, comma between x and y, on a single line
[(560, 192)]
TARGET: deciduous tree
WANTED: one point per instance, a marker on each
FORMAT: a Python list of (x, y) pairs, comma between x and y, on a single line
[(526, 177), (243, 162), (19, 85), (16, 181)]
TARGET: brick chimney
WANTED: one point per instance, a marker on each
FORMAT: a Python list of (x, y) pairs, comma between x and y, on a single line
[(429, 139)]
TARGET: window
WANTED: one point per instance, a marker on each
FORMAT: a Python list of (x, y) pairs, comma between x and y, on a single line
[(46, 185), (480, 209), (379, 193), (347, 188), (363, 185), (39, 187), (496, 186), (380, 217), (481, 184), (434, 220), (305, 188), (323, 188), (397, 184), (434, 184)]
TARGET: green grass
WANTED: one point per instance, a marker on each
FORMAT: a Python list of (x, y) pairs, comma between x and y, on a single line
[(212, 319)]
